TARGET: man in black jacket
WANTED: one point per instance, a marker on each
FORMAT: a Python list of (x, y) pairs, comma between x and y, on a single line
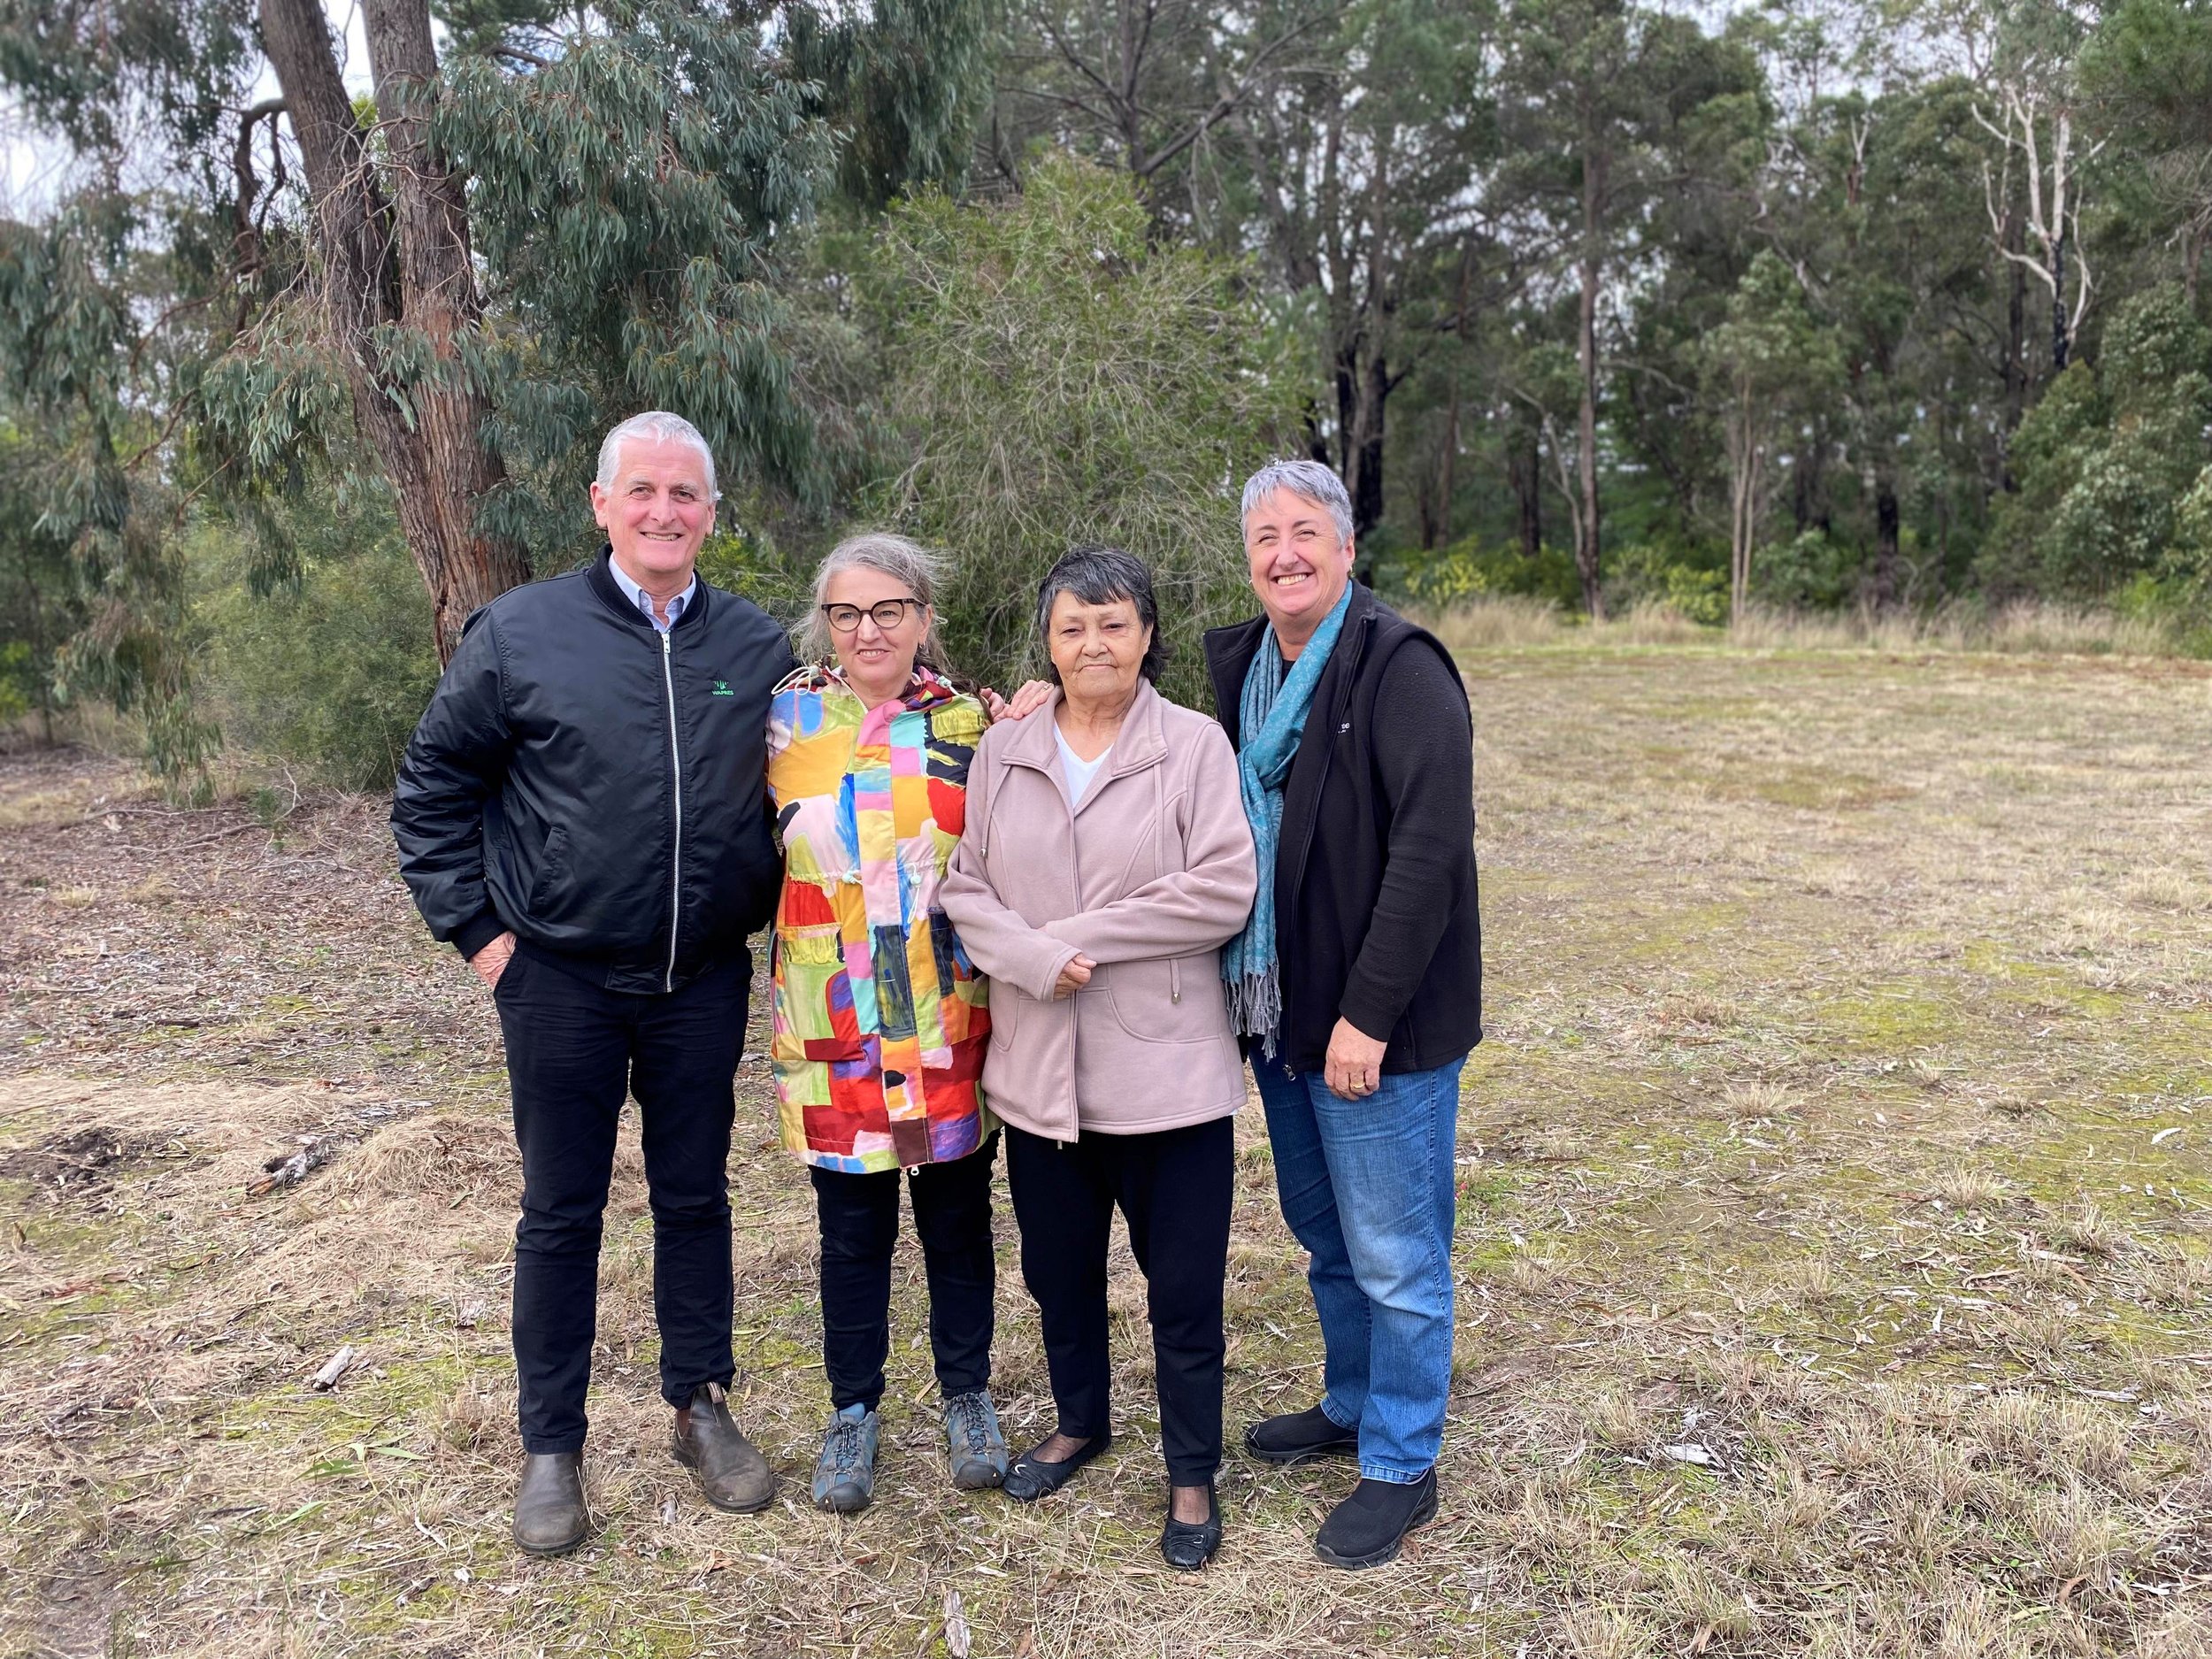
[(582, 813), (1364, 989)]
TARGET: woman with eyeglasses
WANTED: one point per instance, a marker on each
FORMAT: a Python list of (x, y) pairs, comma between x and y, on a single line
[(880, 1019)]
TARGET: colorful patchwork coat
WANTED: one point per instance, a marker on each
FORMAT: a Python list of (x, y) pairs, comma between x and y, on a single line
[(880, 1019)]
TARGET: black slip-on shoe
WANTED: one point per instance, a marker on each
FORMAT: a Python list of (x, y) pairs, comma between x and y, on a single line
[(550, 1516), (1032, 1477), (1299, 1437), (1187, 1546), (1367, 1528)]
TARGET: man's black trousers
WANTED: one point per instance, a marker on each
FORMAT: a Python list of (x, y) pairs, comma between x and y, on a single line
[(574, 1051), (1173, 1190), (860, 1227)]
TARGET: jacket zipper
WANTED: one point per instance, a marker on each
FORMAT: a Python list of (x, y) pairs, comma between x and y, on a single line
[(1159, 850), (1075, 864), (676, 865)]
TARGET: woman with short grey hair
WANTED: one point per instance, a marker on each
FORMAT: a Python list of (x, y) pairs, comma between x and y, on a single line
[(1106, 859)]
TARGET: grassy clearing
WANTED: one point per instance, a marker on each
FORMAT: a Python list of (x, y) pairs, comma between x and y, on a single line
[(1503, 620), (1834, 1263)]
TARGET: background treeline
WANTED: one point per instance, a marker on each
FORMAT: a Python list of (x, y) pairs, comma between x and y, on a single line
[(1813, 305)]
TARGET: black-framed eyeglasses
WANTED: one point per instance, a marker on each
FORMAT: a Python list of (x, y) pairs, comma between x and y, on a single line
[(885, 613)]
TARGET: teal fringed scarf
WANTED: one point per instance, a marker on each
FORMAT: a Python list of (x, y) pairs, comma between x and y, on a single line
[(1271, 716)]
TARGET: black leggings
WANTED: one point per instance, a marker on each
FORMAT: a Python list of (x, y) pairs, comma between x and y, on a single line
[(860, 1228), (1174, 1189)]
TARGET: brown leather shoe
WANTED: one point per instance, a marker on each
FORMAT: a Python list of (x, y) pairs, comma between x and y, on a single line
[(728, 1468), (550, 1518)]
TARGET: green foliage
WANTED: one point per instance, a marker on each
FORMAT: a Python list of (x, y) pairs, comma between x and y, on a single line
[(639, 180), (2107, 460), (1813, 570), (329, 671), (1692, 587), (1435, 577), (618, 284), (1061, 378), (41, 607)]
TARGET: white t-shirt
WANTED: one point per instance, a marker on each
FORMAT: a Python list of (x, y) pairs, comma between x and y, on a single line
[(1077, 771)]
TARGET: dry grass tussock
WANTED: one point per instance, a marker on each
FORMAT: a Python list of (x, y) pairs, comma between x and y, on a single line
[(1833, 1264), (1507, 621)]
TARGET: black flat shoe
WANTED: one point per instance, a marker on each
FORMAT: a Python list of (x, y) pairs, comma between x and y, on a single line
[(1299, 1437), (1367, 1528), (1187, 1546), (1032, 1477)]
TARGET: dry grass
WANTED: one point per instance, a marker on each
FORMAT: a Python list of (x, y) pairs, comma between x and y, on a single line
[(1833, 1261), (1505, 621)]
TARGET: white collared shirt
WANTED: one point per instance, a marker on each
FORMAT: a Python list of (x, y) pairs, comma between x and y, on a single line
[(643, 601)]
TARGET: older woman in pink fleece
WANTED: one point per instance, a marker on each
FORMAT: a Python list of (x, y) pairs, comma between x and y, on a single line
[(1106, 859)]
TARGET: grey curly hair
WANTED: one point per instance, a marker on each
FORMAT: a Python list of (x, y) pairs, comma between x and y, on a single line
[(904, 561)]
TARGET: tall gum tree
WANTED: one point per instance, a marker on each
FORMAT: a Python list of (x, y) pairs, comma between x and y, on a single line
[(453, 286), (393, 262)]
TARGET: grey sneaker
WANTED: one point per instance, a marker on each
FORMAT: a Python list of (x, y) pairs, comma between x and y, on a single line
[(972, 1435), (845, 1474)]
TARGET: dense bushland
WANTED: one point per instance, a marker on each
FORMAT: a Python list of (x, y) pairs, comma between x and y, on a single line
[(1804, 308)]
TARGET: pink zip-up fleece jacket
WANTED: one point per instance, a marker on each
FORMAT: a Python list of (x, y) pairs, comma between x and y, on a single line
[(1149, 874)]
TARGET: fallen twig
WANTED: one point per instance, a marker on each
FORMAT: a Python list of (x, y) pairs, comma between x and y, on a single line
[(336, 1366)]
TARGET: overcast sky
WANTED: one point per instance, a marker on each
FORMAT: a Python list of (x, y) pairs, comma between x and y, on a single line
[(37, 166)]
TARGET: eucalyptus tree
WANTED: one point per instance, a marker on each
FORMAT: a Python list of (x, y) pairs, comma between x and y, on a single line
[(1598, 101), (1146, 85), (559, 215), (1768, 359), (2146, 79), (1059, 375), (1366, 186), (2024, 55)]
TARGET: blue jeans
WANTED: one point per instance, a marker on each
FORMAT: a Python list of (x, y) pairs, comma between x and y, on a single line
[(1366, 1185)]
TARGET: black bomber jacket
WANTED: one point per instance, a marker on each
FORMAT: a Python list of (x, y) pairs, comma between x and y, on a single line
[(597, 786)]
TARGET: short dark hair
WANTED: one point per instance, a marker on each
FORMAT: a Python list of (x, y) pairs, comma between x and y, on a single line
[(1097, 575)]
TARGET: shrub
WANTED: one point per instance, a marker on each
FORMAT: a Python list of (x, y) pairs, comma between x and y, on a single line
[(1059, 377), (329, 671), (1433, 578)]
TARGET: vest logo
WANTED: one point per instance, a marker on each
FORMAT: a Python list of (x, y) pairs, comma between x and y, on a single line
[(722, 689)]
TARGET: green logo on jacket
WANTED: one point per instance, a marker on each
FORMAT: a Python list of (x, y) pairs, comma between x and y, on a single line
[(722, 689)]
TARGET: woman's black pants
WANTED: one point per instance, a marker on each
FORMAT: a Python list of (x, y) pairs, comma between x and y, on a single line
[(860, 1227), (1173, 1190)]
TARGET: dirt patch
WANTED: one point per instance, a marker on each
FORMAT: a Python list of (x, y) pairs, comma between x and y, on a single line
[(91, 1156)]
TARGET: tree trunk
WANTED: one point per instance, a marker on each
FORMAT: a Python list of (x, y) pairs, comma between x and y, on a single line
[(2016, 351), (2059, 340), (1365, 451), (1436, 497), (1586, 419), (1881, 589), (1524, 476), (409, 264), (1743, 486)]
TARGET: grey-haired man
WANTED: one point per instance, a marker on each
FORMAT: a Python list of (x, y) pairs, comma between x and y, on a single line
[(582, 813)]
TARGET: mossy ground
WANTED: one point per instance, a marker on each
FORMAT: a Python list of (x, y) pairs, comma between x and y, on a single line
[(1846, 1116)]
